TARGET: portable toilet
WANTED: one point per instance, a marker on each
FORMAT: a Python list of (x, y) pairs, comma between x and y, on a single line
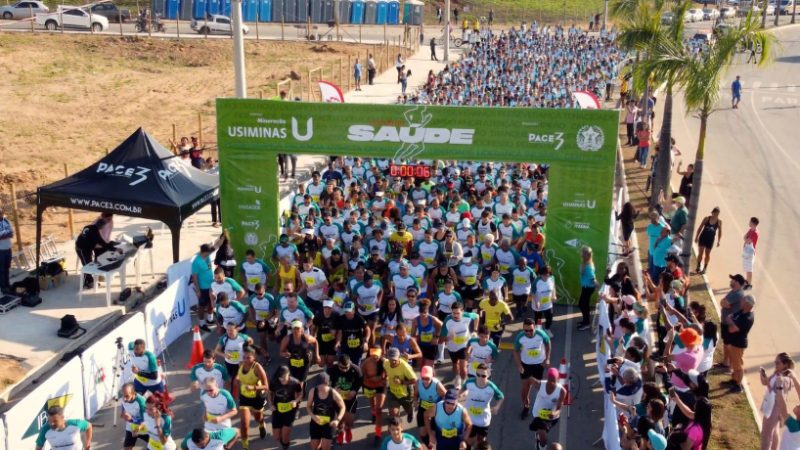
[(265, 11), (290, 10), (301, 11), (199, 9), (381, 12), (212, 7), (224, 7), (277, 11), (249, 10), (327, 11), (357, 11), (393, 12), (370, 11), (412, 12), (186, 12), (316, 11), (171, 10), (344, 11)]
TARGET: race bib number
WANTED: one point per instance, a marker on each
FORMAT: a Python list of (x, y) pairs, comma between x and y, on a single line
[(449, 433), (398, 390), (327, 337), (310, 281), (426, 405), (262, 315), (475, 411), (503, 267), (324, 420), (368, 307), (297, 362), (545, 414), (426, 337), (253, 280), (520, 280), (135, 427), (471, 280), (474, 365), (428, 261), (284, 407), (544, 300), (460, 340), (534, 353), (354, 343), (141, 379), (315, 197), (155, 444), (369, 393), (209, 417), (234, 356)]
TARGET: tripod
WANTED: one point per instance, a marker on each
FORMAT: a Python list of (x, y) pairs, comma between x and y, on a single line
[(121, 359)]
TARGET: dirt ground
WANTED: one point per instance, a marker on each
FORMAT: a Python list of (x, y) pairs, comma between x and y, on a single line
[(11, 371), (68, 99)]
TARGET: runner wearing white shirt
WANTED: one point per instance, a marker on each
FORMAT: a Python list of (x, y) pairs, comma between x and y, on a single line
[(532, 355), (132, 412), (63, 434), (401, 282), (227, 285), (544, 294), (410, 309), (200, 439), (456, 330), (522, 280), (478, 394), (253, 270), (207, 369), (315, 285), (219, 406), (481, 350)]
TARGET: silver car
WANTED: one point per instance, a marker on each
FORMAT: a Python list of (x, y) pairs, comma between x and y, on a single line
[(23, 9)]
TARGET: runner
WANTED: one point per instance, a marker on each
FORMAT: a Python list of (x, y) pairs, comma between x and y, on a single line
[(389, 317), (410, 309), (228, 286), (445, 299), (495, 313), (550, 396), (294, 311), (253, 387), (326, 409), (202, 278), (295, 348), (409, 350), (200, 439), (230, 347), (218, 404), (145, 368), (426, 331), (286, 392), (428, 393), (368, 296), (323, 327), (397, 440), (402, 282), (352, 334), (400, 376), (544, 295), (477, 395), (253, 271), (374, 386), (230, 311), (315, 285), (455, 333), (132, 406), (481, 350), (264, 312), (158, 423), (448, 422), (522, 278), (532, 355), (469, 277), (346, 379)]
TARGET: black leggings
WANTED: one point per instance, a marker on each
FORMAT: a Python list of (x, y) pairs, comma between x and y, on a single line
[(547, 314), (583, 304), (629, 132)]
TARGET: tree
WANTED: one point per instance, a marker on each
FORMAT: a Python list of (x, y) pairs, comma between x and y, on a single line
[(701, 86)]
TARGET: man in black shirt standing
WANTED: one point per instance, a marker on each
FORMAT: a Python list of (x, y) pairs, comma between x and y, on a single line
[(739, 325), (346, 379), (89, 245)]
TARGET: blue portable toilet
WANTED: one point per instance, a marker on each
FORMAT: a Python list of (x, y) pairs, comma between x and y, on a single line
[(381, 12), (249, 10), (212, 7), (370, 11), (393, 12), (171, 10), (357, 11), (265, 11), (412, 12), (224, 7), (199, 9)]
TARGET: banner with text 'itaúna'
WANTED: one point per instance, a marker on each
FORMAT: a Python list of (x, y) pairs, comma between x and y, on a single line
[(579, 146)]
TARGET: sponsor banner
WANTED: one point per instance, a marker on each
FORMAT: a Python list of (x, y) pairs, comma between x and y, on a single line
[(63, 388), (578, 145), (167, 317), (99, 360)]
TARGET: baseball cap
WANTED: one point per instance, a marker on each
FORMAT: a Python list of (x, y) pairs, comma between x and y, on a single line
[(451, 396), (681, 200), (327, 303), (401, 226), (426, 372), (404, 265), (738, 278), (393, 354), (348, 307), (297, 324), (552, 372), (629, 299)]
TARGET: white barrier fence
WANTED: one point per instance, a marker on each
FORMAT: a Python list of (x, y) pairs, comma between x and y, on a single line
[(86, 383), (603, 352)]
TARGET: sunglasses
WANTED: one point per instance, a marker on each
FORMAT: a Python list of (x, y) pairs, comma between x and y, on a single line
[(482, 375), (528, 330)]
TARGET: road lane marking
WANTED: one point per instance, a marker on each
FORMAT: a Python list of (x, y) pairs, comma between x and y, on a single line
[(562, 430)]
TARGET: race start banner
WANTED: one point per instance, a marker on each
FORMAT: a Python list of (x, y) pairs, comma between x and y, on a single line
[(578, 145)]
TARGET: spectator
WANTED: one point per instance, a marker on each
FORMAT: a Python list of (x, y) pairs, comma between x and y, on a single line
[(739, 325), (779, 384), (730, 304), (371, 69), (626, 218), (6, 235), (357, 74)]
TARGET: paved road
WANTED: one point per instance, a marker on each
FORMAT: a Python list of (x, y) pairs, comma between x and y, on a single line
[(578, 430), (751, 166)]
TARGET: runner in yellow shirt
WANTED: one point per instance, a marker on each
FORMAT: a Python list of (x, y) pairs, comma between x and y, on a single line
[(400, 376), (495, 313)]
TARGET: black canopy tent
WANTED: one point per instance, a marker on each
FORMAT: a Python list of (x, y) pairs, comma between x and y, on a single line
[(139, 178)]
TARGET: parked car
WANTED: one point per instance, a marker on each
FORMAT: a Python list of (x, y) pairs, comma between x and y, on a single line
[(693, 15), (23, 9), (747, 7), (722, 28), (76, 18), (727, 12), (770, 10), (786, 7), (703, 38), (710, 14), (112, 12), (215, 24)]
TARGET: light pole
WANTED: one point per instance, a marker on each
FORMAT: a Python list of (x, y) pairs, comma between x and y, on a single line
[(605, 14), (446, 56), (238, 50)]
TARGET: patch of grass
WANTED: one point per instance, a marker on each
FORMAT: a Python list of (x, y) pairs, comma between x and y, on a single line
[(734, 426), (512, 12)]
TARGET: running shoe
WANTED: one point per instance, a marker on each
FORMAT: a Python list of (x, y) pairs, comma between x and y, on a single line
[(524, 414), (348, 435)]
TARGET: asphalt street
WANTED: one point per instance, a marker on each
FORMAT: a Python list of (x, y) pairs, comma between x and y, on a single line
[(751, 167), (579, 427)]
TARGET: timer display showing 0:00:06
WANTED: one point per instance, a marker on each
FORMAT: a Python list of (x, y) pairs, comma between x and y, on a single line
[(410, 170)]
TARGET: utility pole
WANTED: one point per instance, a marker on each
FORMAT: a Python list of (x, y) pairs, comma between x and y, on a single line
[(238, 50), (446, 56), (605, 14)]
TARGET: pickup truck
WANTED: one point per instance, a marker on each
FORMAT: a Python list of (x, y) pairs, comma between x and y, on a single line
[(112, 12), (215, 23), (75, 18)]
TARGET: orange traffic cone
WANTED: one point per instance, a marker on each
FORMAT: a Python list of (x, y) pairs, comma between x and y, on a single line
[(197, 349), (563, 379)]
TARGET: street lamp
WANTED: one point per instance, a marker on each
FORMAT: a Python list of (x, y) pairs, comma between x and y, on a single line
[(238, 49)]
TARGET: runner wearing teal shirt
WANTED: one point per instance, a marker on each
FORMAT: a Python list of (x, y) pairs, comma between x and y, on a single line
[(397, 440), (217, 440), (63, 434), (202, 277)]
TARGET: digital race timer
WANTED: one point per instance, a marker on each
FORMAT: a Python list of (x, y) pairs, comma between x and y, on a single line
[(410, 170)]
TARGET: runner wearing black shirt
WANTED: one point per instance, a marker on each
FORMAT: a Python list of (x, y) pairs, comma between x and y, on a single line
[(286, 392), (324, 328), (346, 379), (352, 333)]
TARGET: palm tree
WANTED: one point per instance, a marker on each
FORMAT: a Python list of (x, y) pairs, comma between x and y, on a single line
[(701, 86)]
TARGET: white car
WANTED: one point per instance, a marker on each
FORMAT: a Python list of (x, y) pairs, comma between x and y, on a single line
[(770, 10), (710, 14), (727, 12), (693, 15), (23, 10), (215, 23), (75, 18)]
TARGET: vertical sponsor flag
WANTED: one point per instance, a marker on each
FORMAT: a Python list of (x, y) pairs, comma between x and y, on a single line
[(330, 92), (586, 99)]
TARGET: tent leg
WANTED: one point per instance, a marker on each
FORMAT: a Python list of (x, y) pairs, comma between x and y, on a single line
[(39, 212), (176, 242)]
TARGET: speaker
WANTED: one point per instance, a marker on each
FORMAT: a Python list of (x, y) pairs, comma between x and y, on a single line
[(70, 327)]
